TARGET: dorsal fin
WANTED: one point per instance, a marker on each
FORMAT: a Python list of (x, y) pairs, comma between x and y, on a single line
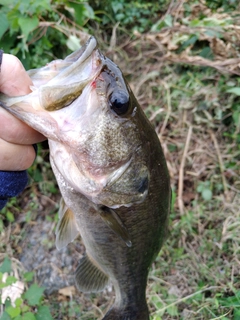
[(111, 218), (88, 276), (66, 230)]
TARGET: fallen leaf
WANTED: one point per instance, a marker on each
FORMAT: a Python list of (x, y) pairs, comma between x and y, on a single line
[(67, 291), (13, 291)]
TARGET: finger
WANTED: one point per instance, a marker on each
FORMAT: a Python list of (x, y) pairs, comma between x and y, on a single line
[(16, 157), (15, 131), (14, 80)]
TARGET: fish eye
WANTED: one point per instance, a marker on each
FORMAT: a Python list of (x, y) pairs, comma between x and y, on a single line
[(119, 102)]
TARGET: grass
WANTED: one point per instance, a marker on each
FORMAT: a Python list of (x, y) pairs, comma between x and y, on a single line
[(196, 275), (199, 265)]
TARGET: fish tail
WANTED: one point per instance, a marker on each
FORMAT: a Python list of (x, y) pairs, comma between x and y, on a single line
[(127, 314)]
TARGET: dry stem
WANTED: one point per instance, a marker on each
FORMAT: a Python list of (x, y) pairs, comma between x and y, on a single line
[(181, 172)]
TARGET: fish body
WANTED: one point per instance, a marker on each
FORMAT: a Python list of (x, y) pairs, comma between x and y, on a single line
[(110, 169)]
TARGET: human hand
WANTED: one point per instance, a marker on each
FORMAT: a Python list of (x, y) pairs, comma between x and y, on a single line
[(16, 138)]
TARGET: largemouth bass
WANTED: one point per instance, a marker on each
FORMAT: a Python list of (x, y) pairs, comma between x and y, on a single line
[(110, 169)]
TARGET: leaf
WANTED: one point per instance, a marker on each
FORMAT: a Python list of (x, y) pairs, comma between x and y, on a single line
[(1, 225), (4, 2), (43, 313), (4, 24), (73, 43), (206, 53), (236, 118), (207, 194), (29, 316), (6, 266), (13, 17), (236, 314), (173, 311), (5, 316), (10, 216), (235, 90), (168, 20), (89, 13), (13, 311), (189, 42), (27, 25), (212, 33), (18, 302), (19, 318), (79, 12), (116, 6), (34, 294), (25, 308), (10, 280), (28, 276)]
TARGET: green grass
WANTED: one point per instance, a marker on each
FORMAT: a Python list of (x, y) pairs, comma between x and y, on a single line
[(196, 275)]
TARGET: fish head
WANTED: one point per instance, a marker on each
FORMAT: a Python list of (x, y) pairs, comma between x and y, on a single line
[(109, 146), (87, 110), (100, 134)]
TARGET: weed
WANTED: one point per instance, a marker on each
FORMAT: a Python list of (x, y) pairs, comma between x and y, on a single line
[(20, 301)]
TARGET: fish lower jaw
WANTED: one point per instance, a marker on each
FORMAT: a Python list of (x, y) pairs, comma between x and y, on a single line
[(114, 176), (129, 204), (113, 202)]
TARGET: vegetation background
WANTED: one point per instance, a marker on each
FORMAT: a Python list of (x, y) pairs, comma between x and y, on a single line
[(182, 60)]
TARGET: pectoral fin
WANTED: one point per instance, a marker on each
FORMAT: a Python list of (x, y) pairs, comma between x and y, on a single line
[(66, 230), (62, 209), (88, 276), (111, 218)]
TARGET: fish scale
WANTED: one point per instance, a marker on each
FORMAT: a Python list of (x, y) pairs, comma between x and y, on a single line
[(110, 169)]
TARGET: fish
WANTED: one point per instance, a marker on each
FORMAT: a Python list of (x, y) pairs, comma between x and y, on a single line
[(110, 169)]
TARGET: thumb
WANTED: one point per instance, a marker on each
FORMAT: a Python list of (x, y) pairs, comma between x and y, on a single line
[(14, 80)]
